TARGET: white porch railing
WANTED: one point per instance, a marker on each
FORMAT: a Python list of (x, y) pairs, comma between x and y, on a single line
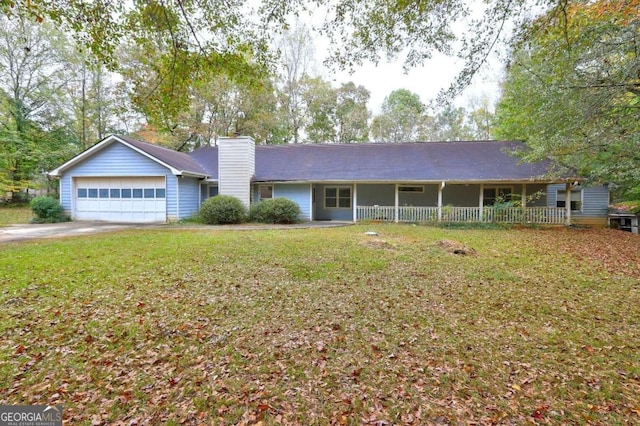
[(536, 215)]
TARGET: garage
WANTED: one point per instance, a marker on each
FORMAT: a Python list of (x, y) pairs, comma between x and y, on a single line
[(120, 199)]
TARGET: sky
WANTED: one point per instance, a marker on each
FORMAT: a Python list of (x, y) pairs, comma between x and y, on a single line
[(426, 81)]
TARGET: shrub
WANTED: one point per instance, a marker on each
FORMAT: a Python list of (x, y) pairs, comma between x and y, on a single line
[(47, 210), (275, 210), (222, 209)]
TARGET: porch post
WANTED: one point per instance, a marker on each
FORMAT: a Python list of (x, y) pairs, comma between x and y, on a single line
[(481, 202), (440, 187), (355, 202), (397, 210), (567, 203)]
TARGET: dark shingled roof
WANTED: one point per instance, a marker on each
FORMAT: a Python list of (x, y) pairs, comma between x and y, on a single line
[(476, 161), (177, 160)]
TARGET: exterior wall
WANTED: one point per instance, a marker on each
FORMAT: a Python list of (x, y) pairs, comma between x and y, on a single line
[(322, 213), (188, 198), (236, 167), (537, 195), (297, 192), (428, 198), (461, 195), (594, 206), (376, 194), (116, 160)]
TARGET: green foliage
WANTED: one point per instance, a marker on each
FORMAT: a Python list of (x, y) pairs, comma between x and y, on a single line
[(572, 92), (274, 210), (222, 209), (47, 210)]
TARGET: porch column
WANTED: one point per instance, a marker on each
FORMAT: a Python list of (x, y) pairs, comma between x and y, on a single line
[(440, 187), (481, 202), (397, 210), (355, 202), (567, 203)]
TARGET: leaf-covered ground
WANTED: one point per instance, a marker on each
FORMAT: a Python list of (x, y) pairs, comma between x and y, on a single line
[(325, 326), (11, 215)]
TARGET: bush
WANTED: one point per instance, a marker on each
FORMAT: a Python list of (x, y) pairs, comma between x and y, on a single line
[(222, 209), (47, 210), (275, 210)]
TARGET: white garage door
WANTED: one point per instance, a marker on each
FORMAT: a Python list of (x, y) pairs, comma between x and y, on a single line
[(121, 199)]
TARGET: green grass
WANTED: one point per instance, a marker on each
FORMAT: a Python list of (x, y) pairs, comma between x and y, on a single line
[(325, 326), (15, 214)]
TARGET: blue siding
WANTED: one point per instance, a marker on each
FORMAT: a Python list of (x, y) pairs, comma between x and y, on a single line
[(117, 160), (189, 196), (595, 203), (300, 193)]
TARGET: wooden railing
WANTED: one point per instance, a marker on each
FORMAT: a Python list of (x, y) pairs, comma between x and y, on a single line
[(536, 215)]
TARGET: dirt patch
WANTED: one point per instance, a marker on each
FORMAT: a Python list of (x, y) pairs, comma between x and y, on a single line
[(456, 247), (377, 243)]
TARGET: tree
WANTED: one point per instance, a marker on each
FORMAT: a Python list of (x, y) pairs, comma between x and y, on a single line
[(401, 118), (451, 125), (352, 115), (295, 49), (33, 125), (358, 31), (321, 103), (572, 91)]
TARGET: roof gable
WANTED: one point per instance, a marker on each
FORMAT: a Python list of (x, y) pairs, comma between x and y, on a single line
[(178, 163)]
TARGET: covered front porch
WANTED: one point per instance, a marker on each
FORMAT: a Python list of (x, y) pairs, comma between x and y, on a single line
[(512, 202)]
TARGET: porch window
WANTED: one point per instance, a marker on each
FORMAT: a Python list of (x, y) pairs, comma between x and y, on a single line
[(493, 195), (337, 197), (576, 200), (266, 191)]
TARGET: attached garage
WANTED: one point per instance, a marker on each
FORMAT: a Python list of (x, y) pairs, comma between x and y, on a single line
[(124, 180), (120, 199)]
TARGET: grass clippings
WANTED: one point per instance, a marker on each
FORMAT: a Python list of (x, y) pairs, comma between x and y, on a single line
[(315, 326)]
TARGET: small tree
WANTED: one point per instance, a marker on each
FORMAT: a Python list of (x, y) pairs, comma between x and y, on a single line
[(275, 210), (223, 209)]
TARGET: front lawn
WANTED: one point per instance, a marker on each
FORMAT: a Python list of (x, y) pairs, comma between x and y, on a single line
[(325, 326), (15, 214)]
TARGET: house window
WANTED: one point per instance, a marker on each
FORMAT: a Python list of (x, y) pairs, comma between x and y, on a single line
[(266, 191), (114, 193), (408, 188), (498, 194), (82, 192), (213, 191), (576, 199), (337, 197)]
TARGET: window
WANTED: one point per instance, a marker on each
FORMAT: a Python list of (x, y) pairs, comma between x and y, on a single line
[(82, 192), (213, 191), (407, 188), (137, 192), (576, 199), (149, 193), (115, 193), (93, 193), (126, 193), (160, 193), (103, 192), (501, 194), (337, 197), (266, 191)]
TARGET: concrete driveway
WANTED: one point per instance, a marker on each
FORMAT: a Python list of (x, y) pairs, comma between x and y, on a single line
[(14, 233)]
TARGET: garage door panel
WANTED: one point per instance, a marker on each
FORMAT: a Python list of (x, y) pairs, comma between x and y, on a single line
[(120, 199)]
